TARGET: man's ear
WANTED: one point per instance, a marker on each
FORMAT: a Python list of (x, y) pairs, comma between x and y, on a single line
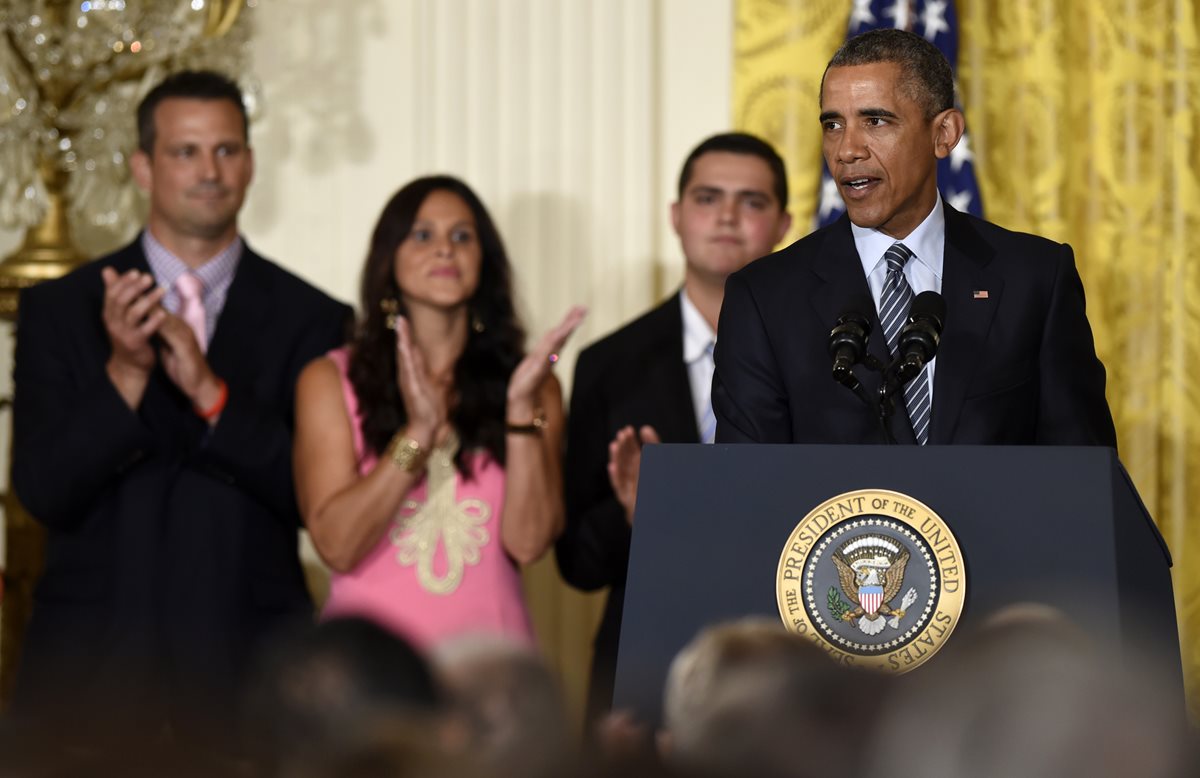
[(785, 224), (675, 216), (948, 128), (140, 167)]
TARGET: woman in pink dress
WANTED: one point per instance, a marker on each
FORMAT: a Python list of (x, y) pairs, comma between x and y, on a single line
[(427, 450)]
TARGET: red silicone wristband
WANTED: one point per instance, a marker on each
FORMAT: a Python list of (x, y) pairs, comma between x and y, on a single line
[(209, 413)]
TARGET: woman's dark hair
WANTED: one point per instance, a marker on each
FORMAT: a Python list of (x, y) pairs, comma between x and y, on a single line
[(489, 357)]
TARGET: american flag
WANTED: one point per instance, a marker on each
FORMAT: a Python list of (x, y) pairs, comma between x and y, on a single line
[(937, 21)]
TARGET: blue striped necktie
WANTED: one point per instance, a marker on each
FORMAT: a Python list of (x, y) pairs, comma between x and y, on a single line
[(894, 303)]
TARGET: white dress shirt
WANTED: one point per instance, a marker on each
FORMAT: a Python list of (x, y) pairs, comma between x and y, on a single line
[(697, 336)]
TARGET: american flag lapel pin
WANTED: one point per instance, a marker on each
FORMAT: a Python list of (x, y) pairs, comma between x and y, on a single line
[(979, 294)]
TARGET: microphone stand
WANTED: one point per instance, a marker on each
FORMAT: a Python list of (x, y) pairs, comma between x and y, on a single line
[(888, 386), (882, 404)]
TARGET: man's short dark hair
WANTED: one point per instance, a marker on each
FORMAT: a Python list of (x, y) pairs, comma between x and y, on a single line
[(192, 85), (740, 143), (927, 77)]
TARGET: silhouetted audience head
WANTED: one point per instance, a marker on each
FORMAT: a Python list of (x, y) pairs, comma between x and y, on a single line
[(321, 690), (750, 698), (1031, 694), (510, 706)]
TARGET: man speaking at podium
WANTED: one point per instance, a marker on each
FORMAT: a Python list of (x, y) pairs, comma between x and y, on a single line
[(1016, 362)]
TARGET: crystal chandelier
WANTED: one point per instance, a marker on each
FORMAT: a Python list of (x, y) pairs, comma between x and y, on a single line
[(71, 75)]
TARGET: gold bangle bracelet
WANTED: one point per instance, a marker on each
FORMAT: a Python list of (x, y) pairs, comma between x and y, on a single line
[(406, 453)]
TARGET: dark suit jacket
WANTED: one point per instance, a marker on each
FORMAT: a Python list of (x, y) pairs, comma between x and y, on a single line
[(1015, 366), (634, 376), (171, 549)]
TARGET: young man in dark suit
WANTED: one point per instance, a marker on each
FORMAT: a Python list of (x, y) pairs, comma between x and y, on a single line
[(649, 381), (1016, 364), (152, 438)]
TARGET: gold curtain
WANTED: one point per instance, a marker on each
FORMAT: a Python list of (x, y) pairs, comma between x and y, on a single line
[(1084, 118)]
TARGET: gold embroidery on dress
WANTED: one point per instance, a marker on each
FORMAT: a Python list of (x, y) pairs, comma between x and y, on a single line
[(456, 524)]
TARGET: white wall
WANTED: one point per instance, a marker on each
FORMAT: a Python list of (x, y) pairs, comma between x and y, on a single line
[(570, 117)]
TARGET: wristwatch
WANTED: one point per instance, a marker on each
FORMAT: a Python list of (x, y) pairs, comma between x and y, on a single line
[(534, 427)]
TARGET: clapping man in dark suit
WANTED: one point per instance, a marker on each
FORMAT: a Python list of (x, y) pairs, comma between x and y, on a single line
[(649, 381), (1016, 364), (152, 438)]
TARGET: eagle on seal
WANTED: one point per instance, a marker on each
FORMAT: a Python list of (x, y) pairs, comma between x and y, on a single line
[(871, 587)]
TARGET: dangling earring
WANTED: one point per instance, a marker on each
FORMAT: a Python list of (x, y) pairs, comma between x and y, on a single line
[(391, 309), (477, 323)]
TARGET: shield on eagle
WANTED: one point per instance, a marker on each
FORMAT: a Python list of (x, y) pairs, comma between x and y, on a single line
[(870, 598)]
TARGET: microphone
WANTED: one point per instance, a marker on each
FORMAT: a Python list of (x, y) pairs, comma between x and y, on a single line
[(920, 337), (848, 338)]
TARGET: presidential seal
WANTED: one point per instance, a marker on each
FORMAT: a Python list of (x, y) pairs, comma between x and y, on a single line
[(874, 577)]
